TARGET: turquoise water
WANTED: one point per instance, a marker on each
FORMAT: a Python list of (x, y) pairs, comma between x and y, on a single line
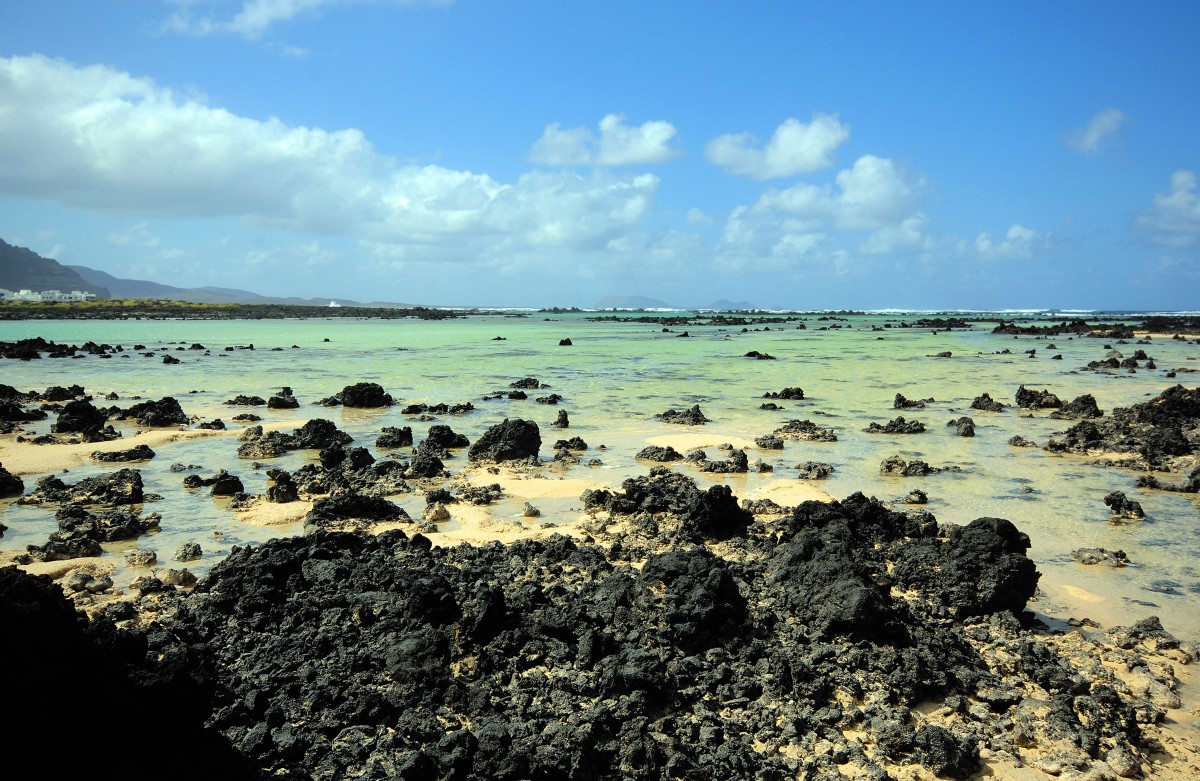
[(617, 375)]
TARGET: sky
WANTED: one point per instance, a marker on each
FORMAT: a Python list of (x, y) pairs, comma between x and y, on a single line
[(540, 153)]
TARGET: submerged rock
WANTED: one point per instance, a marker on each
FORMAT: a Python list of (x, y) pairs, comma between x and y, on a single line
[(1090, 556)]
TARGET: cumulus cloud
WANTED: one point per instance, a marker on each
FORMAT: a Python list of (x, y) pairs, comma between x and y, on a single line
[(873, 200), (869, 214), (1018, 242), (615, 144), (101, 139), (794, 148), (1104, 123), (1174, 219), (254, 16)]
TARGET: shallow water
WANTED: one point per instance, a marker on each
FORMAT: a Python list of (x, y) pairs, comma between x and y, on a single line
[(617, 375)]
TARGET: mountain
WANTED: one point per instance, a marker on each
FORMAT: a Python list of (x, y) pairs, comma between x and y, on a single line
[(631, 302), (140, 288), (24, 269)]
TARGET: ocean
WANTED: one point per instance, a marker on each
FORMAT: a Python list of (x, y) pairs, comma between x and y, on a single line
[(617, 374)]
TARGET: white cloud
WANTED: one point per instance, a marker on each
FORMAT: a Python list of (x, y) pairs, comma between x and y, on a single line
[(1174, 219), (137, 235), (1104, 123), (1018, 242), (572, 146), (874, 194), (616, 144), (906, 237), (101, 139), (867, 216), (254, 16), (794, 148)]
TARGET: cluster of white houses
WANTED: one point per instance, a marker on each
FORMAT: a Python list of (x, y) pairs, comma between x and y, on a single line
[(54, 296)]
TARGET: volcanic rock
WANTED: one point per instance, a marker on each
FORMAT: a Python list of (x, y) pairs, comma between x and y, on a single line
[(138, 453), (1029, 399), (393, 437), (814, 470), (1079, 408), (794, 393), (986, 403), (658, 453), (10, 484), (691, 417), (108, 490), (511, 440), (898, 425), (805, 430), (963, 427)]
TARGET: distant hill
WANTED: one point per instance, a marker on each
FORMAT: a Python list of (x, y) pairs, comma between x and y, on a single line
[(140, 288), (631, 302), (24, 269)]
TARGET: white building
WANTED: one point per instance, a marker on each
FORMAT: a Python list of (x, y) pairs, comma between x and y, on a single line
[(52, 296)]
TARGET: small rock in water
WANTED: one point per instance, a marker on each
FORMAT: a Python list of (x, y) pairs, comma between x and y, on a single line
[(1120, 506), (139, 557), (1115, 558)]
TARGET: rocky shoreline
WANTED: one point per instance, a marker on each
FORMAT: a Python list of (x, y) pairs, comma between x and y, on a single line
[(683, 637), (678, 632)]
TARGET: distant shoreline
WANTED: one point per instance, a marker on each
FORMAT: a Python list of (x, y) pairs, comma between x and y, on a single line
[(150, 309), (155, 309)]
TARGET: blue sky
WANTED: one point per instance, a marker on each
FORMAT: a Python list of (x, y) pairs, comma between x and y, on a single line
[(793, 155)]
